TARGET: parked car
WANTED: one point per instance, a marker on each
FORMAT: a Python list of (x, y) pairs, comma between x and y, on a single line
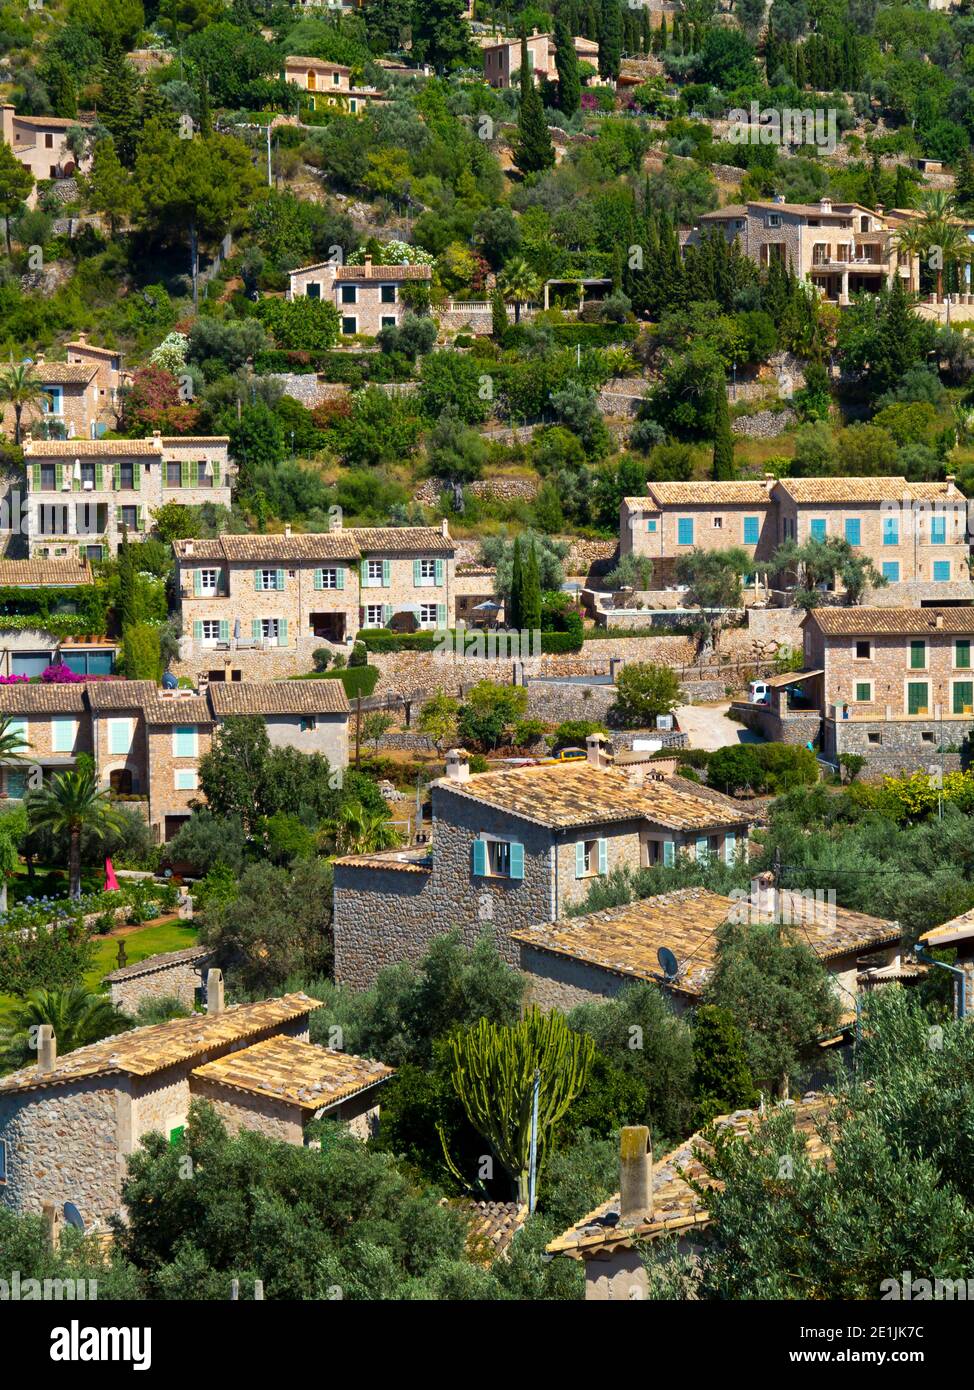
[(759, 693)]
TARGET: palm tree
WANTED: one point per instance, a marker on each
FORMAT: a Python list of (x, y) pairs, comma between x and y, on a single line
[(357, 829), (519, 285), (910, 241), (20, 387), (939, 232), (12, 742), (77, 1017), (70, 803)]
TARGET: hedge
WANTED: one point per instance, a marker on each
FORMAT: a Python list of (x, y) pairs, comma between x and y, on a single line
[(553, 642), (347, 368), (357, 680), (591, 335), (382, 640)]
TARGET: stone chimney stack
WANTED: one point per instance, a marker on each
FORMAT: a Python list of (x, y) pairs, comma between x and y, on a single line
[(635, 1175), (596, 750), (445, 528), (46, 1047), (825, 204), (457, 765), (368, 265), (214, 992), (287, 533)]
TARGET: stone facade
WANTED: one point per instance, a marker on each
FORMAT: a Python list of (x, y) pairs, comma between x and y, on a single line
[(368, 297), (40, 143), (174, 975), (82, 395), (82, 493)]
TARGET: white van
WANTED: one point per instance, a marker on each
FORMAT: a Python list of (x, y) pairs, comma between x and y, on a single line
[(759, 693)]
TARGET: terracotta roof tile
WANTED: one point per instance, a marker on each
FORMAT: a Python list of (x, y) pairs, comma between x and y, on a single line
[(37, 573), (176, 707), (742, 492), (91, 448), (160, 962), (278, 697), (120, 694), (491, 1226), (294, 1072), (64, 373), (892, 622), (55, 698), (862, 490), (949, 933), (402, 540), (323, 545)]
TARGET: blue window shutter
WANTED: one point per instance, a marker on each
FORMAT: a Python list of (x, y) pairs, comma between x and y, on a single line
[(941, 570), (197, 631), (255, 629), (669, 854), (684, 530), (891, 571), (938, 530), (282, 632), (703, 847), (224, 630), (439, 572), (386, 573), (751, 530), (417, 578), (730, 847), (479, 857), (319, 581), (817, 529), (197, 583), (258, 579), (441, 615), (280, 579), (579, 858), (603, 856), (386, 614), (853, 530), (340, 577), (891, 531), (517, 859)]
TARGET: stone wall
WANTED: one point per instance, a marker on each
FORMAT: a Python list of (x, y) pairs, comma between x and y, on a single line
[(764, 424), (560, 982), (274, 1119), (62, 1146), (893, 747), (174, 975), (796, 729)]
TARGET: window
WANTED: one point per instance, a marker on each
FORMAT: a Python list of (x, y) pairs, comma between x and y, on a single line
[(684, 530), (864, 651), (308, 724), (210, 630), (388, 321), (185, 779), (917, 698), (349, 294), (64, 731), (941, 571), (87, 476), (15, 784), (126, 475), (349, 326), (375, 573), (129, 518), (272, 631), (269, 579), (313, 290), (817, 528), (853, 530), (962, 653), (864, 692), (387, 294), (718, 523), (428, 614), (425, 572), (963, 697), (891, 530), (703, 847), (185, 741), (918, 655), (120, 736), (497, 858), (336, 79), (938, 530), (209, 582), (891, 571), (651, 525), (774, 219), (874, 738), (329, 579), (174, 474), (48, 477), (373, 614), (752, 530), (591, 858)]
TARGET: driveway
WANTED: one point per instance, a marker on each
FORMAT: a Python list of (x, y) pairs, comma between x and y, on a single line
[(707, 726)]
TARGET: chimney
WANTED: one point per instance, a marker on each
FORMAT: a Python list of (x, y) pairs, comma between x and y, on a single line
[(214, 992), (445, 528), (825, 204), (763, 896), (777, 197), (596, 750), (368, 265), (40, 359), (939, 620), (83, 339), (287, 533), (46, 1047), (635, 1175), (457, 765), (188, 548)]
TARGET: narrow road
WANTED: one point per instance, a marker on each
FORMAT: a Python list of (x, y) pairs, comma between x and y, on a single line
[(707, 726)]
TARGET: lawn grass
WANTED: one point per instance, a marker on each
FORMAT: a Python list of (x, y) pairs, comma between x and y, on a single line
[(151, 941)]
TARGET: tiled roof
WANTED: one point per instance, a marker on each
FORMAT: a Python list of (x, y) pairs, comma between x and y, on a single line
[(793, 677), (318, 63), (294, 1072), (64, 373), (416, 860), (742, 492), (43, 572), (51, 122), (171, 440), (323, 545), (147, 1050), (160, 962), (120, 694), (581, 794), (491, 1226), (91, 448), (891, 622), (278, 697), (55, 698), (676, 1206), (718, 215), (858, 490), (78, 346), (384, 272), (625, 940), (949, 933), (177, 708), (402, 540)]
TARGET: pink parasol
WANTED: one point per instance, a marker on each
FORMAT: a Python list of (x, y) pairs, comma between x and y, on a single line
[(111, 882)]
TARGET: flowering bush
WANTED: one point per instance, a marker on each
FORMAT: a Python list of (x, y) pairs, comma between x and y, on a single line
[(144, 898), (396, 253)]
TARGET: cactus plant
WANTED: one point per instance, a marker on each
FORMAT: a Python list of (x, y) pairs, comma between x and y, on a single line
[(493, 1074)]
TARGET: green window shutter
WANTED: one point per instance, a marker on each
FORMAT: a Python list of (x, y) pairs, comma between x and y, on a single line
[(730, 847), (184, 473), (216, 473), (478, 851), (603, 856), (386, 614), (340, 577), (37, 477), (386, 573), (363, 573), (59, 476), (197, 582), (282, 632), (916, 697), (319, 580), (963, 697), (224, 630), (255, 629), (441, 615), (116, 475), (579, 858), (197, 631), (258, 580), (416, 574), (221, 581), (137, 475), (516, 859), (669, 854), (75, 483), (194, 473), (280, 580), (439, 572), (962, 656), (99, 476), (118, 516), (918, 656)]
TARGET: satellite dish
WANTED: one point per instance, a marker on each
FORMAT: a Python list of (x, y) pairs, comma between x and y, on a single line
[(73, 1216), (668, 962)]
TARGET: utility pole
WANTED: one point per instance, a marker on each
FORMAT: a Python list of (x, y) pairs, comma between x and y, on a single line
[(269, 183), (358, 726)]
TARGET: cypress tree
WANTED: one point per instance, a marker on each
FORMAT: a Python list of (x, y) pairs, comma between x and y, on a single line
[(119, 106), (610, 40), (647, 34), (591, 20), (531, 594), (723, 439), (663, 35), (515, 605), (963, 180), (903, 188), (498, 315), (533, 150), (566, 61)]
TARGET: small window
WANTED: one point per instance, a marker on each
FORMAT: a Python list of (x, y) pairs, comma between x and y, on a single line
[(864, 692), (388, 321), (962, 653), (313, 290), (651, 526), (917, 698), (918, 655), (329, 578), (48, 477), (349, 326), (373, 615), (185, 779), (864, 651), (963, 697), (891, 571), (48, 140), (374, 571), (926, 736), (427, 571), (938, 530), (874, 738), (349, 294), (210, 630), (308, 724), (774, 220), (891, 530), (718, 523), (208, 581), (428, 614), (174, 474), (126, 475), (388, 294), (941, 571), (271, 579), (129, 518)]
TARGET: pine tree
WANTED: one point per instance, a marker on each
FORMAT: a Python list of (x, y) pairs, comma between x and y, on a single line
[(610, 40), (531, 594), (515, 603), (566, 61), (533, 149), (723, 439), (16, 182), (120, 106), (109, 189)]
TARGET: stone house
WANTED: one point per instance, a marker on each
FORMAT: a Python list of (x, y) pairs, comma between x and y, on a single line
[(842, 249), (657, 1200), (580, 960), (80, 493), (513, 848), (957, 935), (502, 60), (171, 975), (147, 742), (269, 601), (368, 297), (68, 1124), (40, 143), (82, 394), (893, 684), (27, 650), (915, 534), (329, 84)]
